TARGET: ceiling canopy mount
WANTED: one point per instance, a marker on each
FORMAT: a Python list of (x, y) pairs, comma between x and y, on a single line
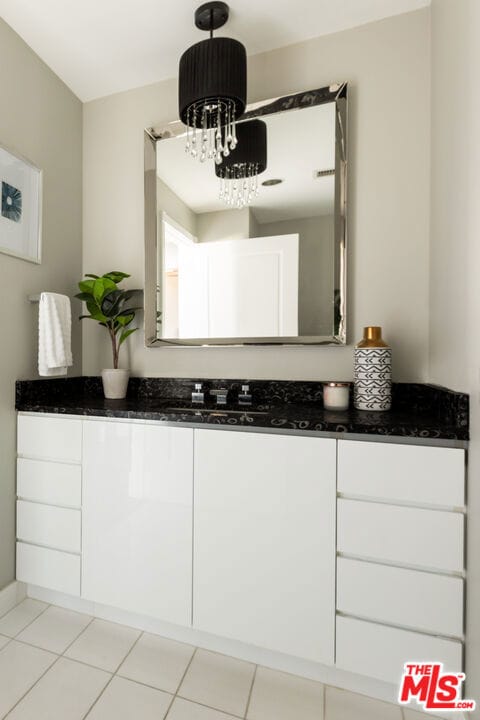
[(211, 15)]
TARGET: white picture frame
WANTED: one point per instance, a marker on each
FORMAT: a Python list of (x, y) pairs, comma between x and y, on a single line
[(20, 207)]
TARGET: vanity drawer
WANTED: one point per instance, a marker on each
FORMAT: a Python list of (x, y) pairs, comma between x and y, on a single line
[(398, 596), (49, 482), (46, 525), (48, 568), (50, 438), (411, 536), (379, 651), (406, 473)]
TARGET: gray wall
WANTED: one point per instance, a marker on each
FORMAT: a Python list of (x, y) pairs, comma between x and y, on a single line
[(455, 256), (42, 120), (223, 225), (170, 203), (387, 66)]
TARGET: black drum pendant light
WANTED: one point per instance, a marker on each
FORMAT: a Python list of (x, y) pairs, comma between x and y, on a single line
[(212, 87), (239, 172)]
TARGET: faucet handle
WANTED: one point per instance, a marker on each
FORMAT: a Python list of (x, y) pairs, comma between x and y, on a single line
[(197, 395), (245, 397)]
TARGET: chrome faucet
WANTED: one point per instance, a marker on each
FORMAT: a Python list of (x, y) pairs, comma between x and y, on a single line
[(198, 396), (245, 397), (220, 395)]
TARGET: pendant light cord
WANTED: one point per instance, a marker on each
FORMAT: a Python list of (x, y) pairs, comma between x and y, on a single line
[(211, 23)]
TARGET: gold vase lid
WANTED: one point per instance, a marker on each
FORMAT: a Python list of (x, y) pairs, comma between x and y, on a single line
[(372, 337)]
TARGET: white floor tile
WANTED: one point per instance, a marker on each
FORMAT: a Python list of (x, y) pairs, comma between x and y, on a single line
[(127, 700), (218, 681), (157, 662), (345, 705), (186, 710), (35, 684), (20, 667), (55, 629), (21, 616), (65, 692), (103, 644), (279, 696)]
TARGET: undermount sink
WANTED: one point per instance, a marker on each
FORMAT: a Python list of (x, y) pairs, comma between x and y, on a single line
[(212, 411)]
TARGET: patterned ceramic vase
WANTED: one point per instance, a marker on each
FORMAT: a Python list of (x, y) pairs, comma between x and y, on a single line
[(373, 372)]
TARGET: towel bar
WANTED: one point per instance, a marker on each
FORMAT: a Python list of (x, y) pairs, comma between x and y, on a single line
[(36, 298)]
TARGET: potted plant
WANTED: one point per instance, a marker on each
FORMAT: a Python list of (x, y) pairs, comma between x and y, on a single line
[(107, 305)]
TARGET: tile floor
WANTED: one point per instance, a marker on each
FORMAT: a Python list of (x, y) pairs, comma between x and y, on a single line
[(56, 664)]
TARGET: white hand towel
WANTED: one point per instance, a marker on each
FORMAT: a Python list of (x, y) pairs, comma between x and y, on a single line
[(54, 334)]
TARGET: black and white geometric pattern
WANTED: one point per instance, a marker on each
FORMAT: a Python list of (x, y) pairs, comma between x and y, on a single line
[(373, 379)]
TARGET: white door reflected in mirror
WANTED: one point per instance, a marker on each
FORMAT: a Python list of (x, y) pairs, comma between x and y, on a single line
[(215, 289)]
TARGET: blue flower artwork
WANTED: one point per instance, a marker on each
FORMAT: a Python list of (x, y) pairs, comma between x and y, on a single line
[(11, 202)]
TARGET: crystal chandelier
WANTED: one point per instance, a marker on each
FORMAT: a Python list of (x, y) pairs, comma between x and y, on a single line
[(239, 172), (212, 88)]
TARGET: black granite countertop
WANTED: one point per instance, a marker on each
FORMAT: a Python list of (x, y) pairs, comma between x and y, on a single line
[(418, 410)]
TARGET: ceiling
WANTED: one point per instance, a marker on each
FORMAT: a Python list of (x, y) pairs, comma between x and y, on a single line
[(292, 155), (99, 47)]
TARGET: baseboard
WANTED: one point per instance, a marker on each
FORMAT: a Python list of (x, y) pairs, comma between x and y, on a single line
[(250, 653), (285, 663), (11, 595)]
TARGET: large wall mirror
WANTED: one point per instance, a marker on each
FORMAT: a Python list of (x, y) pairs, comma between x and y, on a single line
[(251, 250)]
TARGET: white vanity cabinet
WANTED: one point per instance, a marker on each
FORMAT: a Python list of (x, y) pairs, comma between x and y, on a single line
[(264, 541), (339, 552), (137, 518)]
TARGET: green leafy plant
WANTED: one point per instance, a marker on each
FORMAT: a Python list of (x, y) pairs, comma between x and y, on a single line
[(107, 305)]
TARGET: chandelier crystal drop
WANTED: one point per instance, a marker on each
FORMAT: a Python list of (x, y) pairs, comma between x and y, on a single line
[(208, 137), (212, 88), (239, 171), (239, 186)]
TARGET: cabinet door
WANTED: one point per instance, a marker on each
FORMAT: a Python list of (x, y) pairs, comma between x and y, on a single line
[(49, 482), (404, 473), (54, 527), (380, 651), (137, 518), (264, 541), (409, 536), (50, 438), (433, 604), (48, 568)]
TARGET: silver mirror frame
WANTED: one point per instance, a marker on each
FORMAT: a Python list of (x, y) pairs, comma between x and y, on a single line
[(334, 93)]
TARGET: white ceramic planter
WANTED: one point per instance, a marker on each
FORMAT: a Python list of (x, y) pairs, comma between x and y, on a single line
[(115, 383)]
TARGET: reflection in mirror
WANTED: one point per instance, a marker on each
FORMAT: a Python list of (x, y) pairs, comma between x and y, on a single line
[(261, 261)]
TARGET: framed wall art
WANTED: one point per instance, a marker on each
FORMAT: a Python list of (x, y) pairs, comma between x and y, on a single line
[(21, 207)]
